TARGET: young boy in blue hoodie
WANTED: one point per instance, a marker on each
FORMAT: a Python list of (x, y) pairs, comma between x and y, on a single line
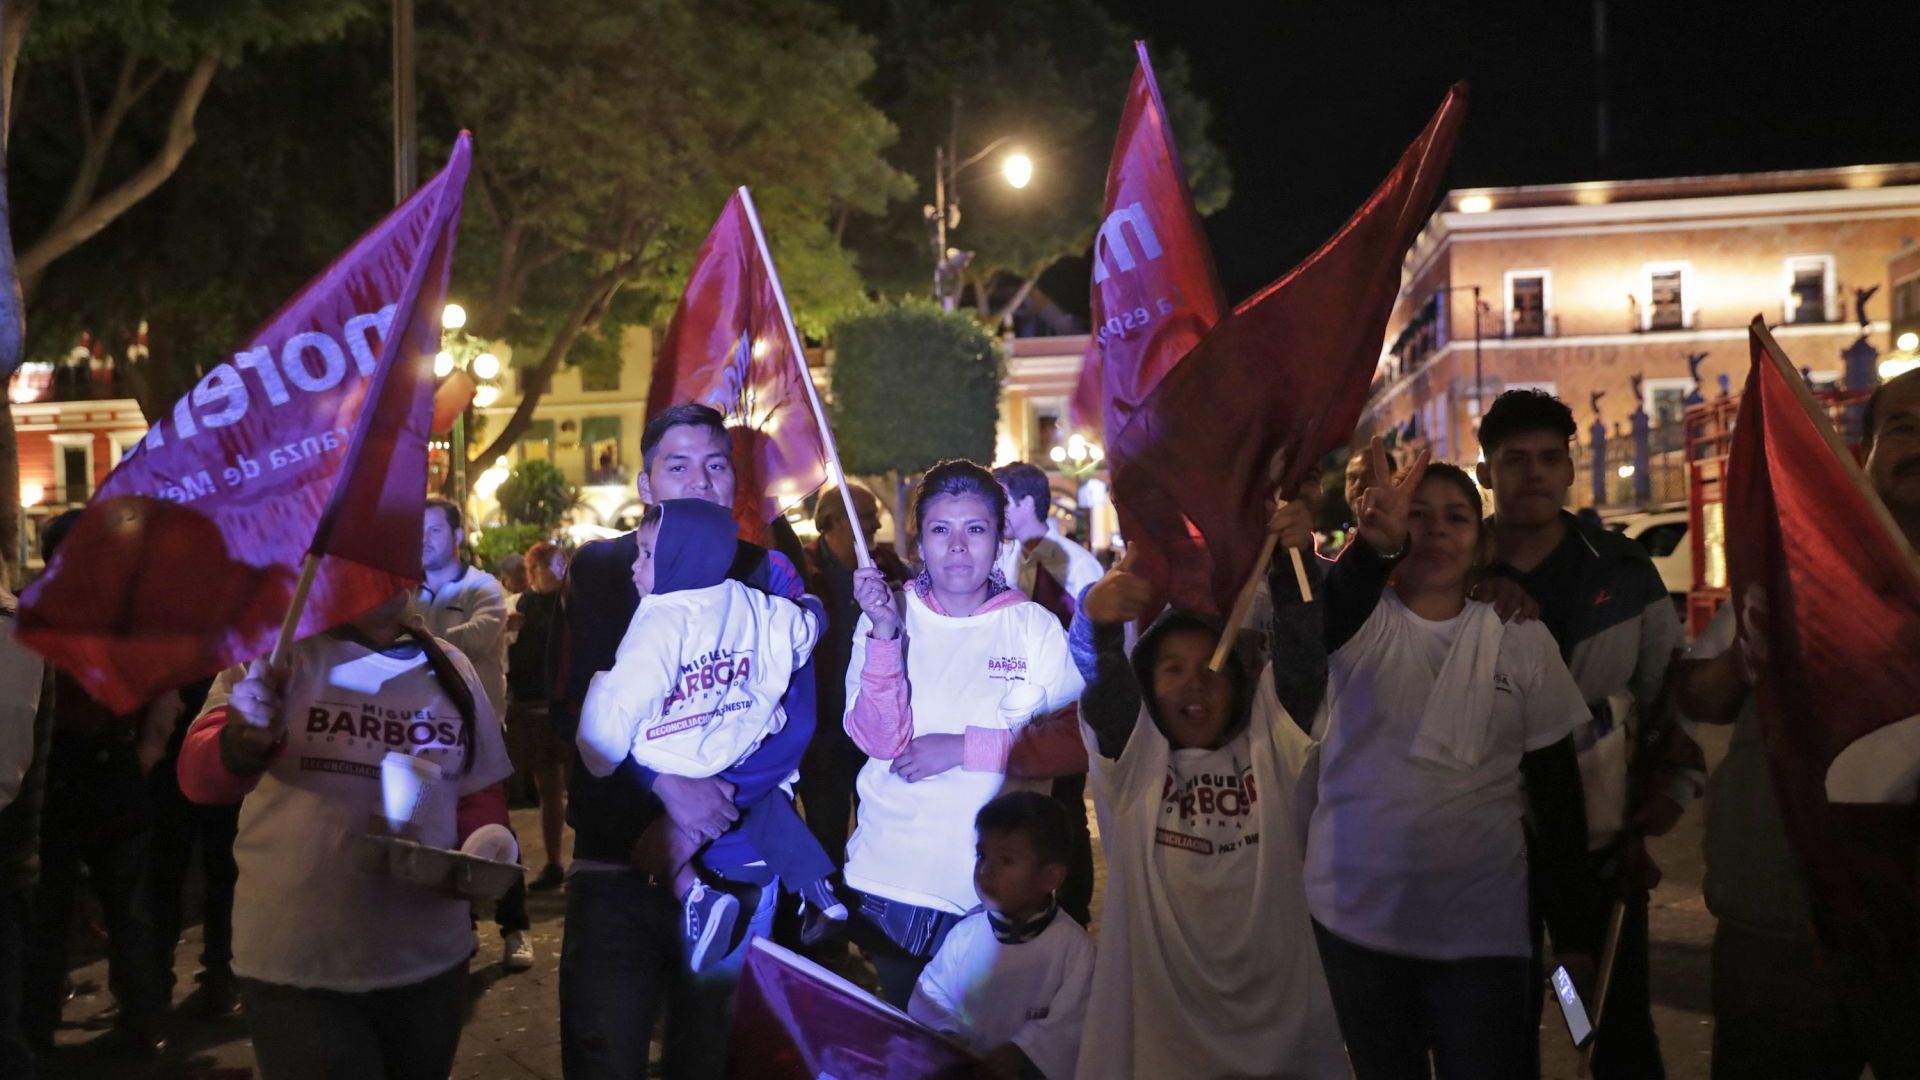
[(694, 690)]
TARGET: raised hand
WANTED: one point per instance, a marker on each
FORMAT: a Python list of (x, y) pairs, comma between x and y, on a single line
[(1122, 595), (875, 597), (1292, 523), (1382, 513), (256, 712)]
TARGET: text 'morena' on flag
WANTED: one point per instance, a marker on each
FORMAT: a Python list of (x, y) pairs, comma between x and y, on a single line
[(185, 560)]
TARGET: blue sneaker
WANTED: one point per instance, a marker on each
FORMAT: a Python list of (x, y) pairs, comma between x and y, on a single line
[(708, 929)]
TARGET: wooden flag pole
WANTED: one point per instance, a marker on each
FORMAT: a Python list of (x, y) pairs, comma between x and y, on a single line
[(1243, 604), (834, 472), (308, 568), (1608, 952)]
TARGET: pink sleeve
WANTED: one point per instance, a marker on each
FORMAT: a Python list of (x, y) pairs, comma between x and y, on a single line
[(1047, 747), (204, 776), (488, 806), (881, 719)]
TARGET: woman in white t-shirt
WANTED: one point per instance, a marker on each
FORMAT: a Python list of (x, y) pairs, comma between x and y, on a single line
[(1416, 869), (1206, 963), (345, 972), (941, 685)]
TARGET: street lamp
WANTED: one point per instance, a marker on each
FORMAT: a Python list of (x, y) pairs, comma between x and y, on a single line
[(1479, 398), (459, 349), (944, 212)]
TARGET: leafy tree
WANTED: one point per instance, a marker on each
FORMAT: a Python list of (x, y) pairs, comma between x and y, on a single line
[(608, 136), (1052, 76), (493, 545), (115, 142), (912, 386), (536, 493)]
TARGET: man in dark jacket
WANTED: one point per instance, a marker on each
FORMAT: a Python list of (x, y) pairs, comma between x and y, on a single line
[(621, 961)]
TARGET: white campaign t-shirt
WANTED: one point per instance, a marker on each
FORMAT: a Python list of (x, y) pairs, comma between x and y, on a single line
[(696, 682), (1033, 994), (1411, 857), (1207, 964), (913, 842), (304, 913)]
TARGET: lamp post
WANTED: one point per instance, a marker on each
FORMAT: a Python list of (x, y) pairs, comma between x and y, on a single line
[(460, 350), (1479, 398), (944, 212)]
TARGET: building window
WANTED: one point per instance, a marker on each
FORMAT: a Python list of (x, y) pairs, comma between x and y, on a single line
[(1809, 280), (72, 467), (1528, 292), (600, 438), (537, 443), (1667, 289), (600, 378)]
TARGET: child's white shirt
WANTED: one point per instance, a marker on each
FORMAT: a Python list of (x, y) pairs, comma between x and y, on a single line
[(1033, 994), (697, 681)]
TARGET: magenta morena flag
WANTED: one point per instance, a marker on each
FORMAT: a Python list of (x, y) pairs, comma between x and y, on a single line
[(730, 345), (311, 437)]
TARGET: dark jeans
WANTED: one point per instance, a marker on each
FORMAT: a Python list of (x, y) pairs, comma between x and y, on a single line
[(116, 868), (404, 1033), (826, 787), (16, 1060), (510, 911), (178, 827), (899, 939), (1882, 999), (1627, 1047), (1076, 895), (622, 961), (1393, 1010), (1777, 1012), (783, 841)]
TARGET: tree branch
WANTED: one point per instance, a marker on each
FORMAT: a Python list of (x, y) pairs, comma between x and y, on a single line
[(65, 236), (592, 303), (1006, 312), (97, 135)]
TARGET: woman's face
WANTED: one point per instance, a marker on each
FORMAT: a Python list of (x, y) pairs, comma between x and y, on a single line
[(1193, 700), (958, 542), (1443, 528)]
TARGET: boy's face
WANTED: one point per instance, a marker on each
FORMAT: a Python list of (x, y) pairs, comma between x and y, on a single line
[(1530, 475), (643, 562), (1007, 873), (1192, 699)]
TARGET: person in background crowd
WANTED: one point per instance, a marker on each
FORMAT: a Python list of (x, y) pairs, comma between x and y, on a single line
[(1202, 781), (466, 607), (1782, 1006), (96, 821), (950, 693), (1011, 980), (543, 752), (1605, 604), (346, 973), (180, 826), (513, 581), (623, 961), (26, 730), (827, 772), (1053, 570), (1360, 474), (1441, 721)]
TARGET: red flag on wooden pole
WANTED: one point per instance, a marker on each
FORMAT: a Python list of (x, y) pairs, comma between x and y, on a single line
[(731, 345), (1827, 590), (309, 440), (1281, 379)]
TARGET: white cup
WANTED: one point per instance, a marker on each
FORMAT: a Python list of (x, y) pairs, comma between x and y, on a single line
[(406, 782)]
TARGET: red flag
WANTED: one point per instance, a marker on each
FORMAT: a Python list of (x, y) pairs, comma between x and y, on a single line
[(1154, 296), (1282, 380), (731, 345), (311, 437), (794, 1019), (1828, 598)]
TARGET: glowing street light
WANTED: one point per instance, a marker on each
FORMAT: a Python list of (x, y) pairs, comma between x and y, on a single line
[(1908, 342), (484, 396), (442, 364), (1626, 472), (1058, 454), (453, 317), (486, 365), (1019, 169)]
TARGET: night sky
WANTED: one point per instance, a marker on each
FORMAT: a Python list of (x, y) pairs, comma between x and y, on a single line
[(1314, 101)]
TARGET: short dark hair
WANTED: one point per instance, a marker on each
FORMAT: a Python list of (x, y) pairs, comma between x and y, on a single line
[(958, 476), (1519, 412), (1870, 420), (1024, 481), (653, 516), (1040, 817), (455, 519), (686, 414), (1457, 476)]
